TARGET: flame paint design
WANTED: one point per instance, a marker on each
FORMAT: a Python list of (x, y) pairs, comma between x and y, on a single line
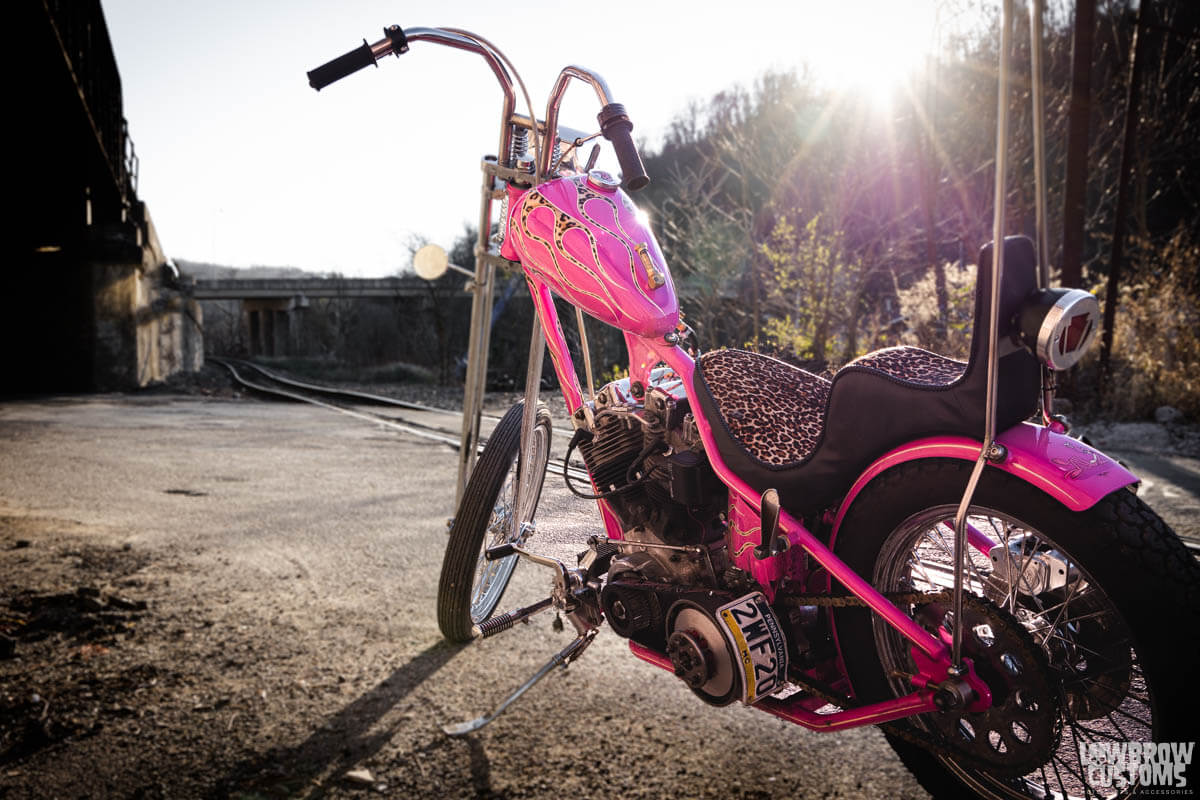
[(586, 193), (606, 254), (562, 223)]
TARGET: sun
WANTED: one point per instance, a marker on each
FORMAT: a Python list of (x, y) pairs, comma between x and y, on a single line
[(870, 48)]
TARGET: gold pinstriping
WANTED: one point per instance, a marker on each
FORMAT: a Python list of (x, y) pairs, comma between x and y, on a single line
[(587, 193), (562, 224)]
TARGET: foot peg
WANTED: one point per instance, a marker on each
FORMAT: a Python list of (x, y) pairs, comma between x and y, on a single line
[(561, 659), (490, 627)]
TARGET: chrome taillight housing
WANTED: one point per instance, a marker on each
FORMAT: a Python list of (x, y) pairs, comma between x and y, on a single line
[(1058, 325)]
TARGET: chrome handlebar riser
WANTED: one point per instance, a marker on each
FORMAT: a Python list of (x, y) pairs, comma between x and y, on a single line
[(556, 95), (548, 130)]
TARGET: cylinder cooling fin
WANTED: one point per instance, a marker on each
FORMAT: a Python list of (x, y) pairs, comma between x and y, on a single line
[(617, 442)]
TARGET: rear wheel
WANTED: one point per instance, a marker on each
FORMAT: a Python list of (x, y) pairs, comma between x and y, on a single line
[(471, 586), (1076, 629)]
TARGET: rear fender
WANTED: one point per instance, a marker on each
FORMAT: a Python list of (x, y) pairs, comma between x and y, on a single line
[(1073, 473)]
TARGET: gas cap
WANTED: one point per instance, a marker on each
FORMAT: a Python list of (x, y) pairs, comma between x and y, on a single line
[(602, 181)]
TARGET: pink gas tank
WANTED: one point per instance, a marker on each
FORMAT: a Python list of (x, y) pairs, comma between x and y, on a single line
[(581, 236)]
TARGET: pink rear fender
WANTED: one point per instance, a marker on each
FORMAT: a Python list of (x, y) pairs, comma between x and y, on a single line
[(588, 244), (1073, 473)]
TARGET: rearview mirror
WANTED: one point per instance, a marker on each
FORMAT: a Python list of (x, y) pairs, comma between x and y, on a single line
[(431, 262)]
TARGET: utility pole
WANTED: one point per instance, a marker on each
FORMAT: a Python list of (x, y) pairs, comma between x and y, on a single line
[(1075, 187), (1133, 95)]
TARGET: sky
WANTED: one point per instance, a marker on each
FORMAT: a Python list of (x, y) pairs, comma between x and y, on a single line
[(242, 164)]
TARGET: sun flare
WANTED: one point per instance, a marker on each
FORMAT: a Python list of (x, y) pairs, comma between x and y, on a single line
[(869, 47)]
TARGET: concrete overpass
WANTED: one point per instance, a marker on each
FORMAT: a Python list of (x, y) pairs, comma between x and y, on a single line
[(269, 310), (282, 288)]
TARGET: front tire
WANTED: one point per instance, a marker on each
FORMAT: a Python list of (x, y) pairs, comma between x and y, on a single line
[(471, 587), (1118, 636)]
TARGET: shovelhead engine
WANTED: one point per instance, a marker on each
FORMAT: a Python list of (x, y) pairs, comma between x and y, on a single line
[(646, 458)]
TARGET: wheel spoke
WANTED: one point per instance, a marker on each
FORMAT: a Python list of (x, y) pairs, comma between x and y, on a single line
[(1061, 785), (1087, 788), (1109, 716), (928, 580), (1023, 578), (1075, 644), (1090, 677), (1139, 720), (1045, 780), (1072, 620), (1101, 733), (937, 539)]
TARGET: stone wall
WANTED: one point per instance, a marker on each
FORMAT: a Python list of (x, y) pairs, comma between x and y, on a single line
[(147, 326)]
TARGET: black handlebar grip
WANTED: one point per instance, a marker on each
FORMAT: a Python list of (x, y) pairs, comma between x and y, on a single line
[(615, 125), (341, 66)]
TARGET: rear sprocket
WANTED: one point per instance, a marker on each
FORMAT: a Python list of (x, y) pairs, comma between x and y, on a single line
[(1020, 730)]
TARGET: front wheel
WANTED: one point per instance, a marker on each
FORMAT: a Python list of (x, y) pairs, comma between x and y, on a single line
[(1082, 624), (470, 585)]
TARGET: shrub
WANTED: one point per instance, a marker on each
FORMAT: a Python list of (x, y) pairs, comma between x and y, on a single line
[(1156, 340)]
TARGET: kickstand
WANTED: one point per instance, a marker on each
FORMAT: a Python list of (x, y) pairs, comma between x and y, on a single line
[(561, 659)]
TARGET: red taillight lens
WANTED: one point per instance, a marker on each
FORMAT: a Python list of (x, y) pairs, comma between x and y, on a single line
[(1076, 334), (1057, 325)]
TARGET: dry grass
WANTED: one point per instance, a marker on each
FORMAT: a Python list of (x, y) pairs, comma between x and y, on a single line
[(919, 308), (1156, 342)]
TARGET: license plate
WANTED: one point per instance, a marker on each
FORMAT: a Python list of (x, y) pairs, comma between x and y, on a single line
[(756, 638)]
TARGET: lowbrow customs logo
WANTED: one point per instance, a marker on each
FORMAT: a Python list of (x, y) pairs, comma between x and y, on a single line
[(1156, 768)]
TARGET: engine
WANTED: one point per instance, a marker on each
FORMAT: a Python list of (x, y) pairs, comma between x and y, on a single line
[(648, 461), (670, 583)]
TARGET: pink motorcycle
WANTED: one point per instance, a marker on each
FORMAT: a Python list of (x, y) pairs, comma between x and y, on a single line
[(899, 546)]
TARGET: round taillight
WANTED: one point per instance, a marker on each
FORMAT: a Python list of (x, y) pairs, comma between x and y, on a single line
[(1058, 325)]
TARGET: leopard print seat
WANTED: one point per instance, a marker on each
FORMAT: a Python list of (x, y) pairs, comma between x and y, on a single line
[(914, 366), (774, 410)]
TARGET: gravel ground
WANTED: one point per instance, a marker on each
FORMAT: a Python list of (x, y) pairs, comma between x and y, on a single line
[(223, 598), (203, 595)]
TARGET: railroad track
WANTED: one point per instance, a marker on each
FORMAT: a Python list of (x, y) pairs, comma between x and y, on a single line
[(350, 403)]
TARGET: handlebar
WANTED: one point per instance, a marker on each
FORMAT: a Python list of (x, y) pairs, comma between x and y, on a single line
[(615, 125), (614, 121), (367, 55)]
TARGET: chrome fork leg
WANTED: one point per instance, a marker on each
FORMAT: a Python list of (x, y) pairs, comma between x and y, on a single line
[(533, 378), (560, 659)]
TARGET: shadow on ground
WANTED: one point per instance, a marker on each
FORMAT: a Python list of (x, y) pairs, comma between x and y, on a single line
[(345, 739)]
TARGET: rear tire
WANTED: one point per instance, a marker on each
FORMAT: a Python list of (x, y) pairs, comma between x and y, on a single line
[(471, 587), (1133, 609)]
